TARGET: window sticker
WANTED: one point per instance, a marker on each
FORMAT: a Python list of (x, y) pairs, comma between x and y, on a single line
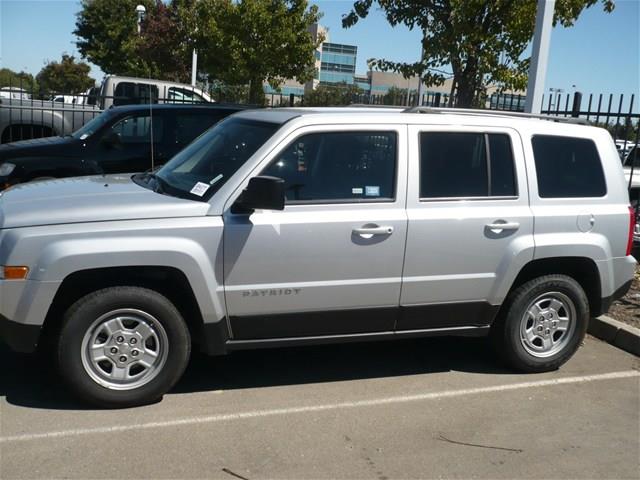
[(200, 189), (357, 191), (372, 191)]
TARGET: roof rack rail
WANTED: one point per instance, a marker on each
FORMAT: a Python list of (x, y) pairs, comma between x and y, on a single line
[(368, 105), (497, 113)]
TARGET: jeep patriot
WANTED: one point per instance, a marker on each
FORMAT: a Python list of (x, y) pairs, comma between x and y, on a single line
[(307, 226)]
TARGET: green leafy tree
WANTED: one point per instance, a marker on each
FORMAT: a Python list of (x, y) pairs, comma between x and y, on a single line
[(481, 41), (10, 78), (395, 96), (333, 95), (107, 35), (254, 41), (107, 32), (65, 76)]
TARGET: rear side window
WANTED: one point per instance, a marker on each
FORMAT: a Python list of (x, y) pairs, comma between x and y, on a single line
[(463, 165), (338, 167), (567, 167)]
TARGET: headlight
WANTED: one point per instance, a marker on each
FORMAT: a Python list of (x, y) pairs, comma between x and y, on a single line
[(6, 169)]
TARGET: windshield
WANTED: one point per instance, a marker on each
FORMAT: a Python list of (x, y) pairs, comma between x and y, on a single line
[(200, 169), (92, 126)]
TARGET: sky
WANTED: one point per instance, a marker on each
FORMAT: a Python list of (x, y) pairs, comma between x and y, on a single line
[(600, 54)]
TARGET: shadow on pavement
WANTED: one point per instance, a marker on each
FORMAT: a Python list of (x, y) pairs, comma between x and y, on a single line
[(28, 381)]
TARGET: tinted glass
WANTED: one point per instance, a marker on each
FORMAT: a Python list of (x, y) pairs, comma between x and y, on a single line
[(502, 167), (127, 93), (453, 165), (338, 166), (567, 167), (136, 129), (189, 126)]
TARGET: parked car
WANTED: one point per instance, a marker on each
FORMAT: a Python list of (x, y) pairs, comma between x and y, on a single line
[(116, 141), (22, 118), (306, 226), (15, 93)]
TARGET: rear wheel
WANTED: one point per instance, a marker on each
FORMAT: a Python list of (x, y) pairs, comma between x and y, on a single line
[(542, 323), (122, 346)]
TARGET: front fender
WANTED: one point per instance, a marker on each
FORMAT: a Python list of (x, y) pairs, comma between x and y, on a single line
[(52, 253)]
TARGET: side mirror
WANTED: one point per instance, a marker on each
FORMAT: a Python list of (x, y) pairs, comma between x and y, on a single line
[(112, 139), (264, 193)]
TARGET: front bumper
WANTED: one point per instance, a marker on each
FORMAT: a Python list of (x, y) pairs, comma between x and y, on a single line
[(18, 336)]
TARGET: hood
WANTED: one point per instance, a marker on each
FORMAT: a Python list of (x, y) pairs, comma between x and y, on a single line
[(89, 199), (25, 148)]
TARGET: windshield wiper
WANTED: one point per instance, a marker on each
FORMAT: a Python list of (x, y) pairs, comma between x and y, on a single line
[(160, 184)]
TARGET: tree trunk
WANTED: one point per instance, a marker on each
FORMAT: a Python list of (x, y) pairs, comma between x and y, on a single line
[(256, 92), (466, 91)]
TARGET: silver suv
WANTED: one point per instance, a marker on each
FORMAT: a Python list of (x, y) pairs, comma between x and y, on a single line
[(301, 226)]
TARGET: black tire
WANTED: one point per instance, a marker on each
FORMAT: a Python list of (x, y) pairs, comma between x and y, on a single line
[(506, 330), (77, 322)]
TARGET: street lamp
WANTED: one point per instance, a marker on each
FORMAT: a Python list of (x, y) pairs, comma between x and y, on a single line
[(140, 11)]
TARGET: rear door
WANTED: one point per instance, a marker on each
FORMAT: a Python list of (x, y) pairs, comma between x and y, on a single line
[(330, 263), (469, 222)]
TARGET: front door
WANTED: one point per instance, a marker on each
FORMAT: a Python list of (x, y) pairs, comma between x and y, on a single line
[(330, 263)]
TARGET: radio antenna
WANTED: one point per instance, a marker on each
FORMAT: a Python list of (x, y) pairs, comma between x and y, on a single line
[(151, 121)]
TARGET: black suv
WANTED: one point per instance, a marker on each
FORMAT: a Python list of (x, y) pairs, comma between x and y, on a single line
[(118, 140)]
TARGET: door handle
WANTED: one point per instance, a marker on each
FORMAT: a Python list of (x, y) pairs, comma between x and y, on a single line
[(373, 230), (503, 225)]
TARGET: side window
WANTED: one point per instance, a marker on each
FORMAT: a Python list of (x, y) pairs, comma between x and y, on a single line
[(182, 95), (189, 126), (567, 167), (463, 165), (128, 93), (338, 166), (135, 129)]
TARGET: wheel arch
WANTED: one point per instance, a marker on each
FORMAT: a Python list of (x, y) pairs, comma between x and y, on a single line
[(168, 281), (582, 269)]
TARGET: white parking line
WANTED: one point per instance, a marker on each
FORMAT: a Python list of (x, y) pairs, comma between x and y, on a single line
[(320, 408)]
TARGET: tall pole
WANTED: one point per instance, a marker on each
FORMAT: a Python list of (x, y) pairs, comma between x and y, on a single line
[(540, 55), (420, 85), (194, 67)]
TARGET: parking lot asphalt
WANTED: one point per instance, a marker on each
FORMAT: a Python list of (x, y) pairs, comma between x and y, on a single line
[(433, 408)]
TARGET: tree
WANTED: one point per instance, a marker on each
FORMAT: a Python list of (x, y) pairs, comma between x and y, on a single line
[(255, 41), (66, 76), (107, 35), (395, 96), (9, 78), (333, 95), (481, 41)]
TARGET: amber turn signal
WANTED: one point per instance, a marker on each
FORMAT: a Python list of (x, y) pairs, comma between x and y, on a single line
[(15, 273)]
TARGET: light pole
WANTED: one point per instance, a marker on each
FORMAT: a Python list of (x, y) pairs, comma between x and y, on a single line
[(194, 67), (140, 11), (540, 55)]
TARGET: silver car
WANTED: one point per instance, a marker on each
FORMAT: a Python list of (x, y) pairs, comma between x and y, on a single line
[(302, 226)]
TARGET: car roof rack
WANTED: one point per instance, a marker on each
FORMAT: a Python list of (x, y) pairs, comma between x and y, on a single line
[(497, 113)]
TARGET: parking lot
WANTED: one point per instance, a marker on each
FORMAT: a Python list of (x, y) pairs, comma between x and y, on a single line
[(430, 408)]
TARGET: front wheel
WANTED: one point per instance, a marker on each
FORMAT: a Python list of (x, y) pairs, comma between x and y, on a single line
[(542, 324), (122, 346)]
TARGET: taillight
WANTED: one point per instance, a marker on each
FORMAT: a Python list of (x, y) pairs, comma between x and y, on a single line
[(632, 224)]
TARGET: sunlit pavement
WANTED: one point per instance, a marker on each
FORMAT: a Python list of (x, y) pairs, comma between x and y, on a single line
[(413, 409)]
